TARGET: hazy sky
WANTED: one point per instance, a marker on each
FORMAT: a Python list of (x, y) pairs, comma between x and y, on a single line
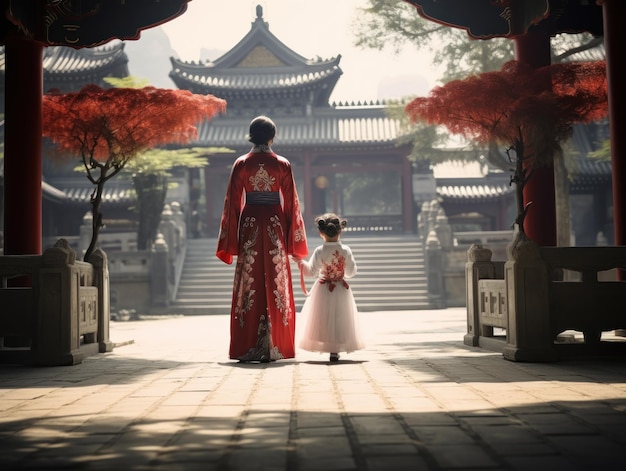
[(311, 28)]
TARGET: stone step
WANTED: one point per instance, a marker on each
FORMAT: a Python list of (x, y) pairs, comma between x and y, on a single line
[(391, 276), (224, 308)]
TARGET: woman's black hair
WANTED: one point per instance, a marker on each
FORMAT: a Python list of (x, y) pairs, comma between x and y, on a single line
[(262, 130), (330, 224)]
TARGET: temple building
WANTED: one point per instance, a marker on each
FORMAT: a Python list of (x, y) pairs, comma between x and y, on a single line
[(346, 157)]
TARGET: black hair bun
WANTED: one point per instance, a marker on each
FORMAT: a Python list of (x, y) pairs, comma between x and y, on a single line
[(330, 224)]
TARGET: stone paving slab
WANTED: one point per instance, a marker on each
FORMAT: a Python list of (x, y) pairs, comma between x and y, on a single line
[(168, 398)]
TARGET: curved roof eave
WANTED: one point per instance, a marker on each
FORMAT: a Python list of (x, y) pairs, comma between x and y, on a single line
[(269, 83), (209, 68), (67, 60), (52, 193), (478, 191), (259, 35), (60, 60)]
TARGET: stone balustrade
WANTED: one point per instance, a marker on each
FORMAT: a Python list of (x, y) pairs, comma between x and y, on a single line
[(539, 293), (446, 254), (141, 280), (55, 309)]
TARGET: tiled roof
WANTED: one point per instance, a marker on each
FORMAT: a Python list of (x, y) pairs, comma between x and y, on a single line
[(593, 168), (260, 67), (590, 174), (219, 82), (76, 62), (473, 190), (52, 193), (597, 53), (113, 195), (69, 191), (67, 69), (367, 124)]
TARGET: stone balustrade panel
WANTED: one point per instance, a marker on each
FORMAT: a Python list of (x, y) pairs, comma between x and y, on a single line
[(54, 304)]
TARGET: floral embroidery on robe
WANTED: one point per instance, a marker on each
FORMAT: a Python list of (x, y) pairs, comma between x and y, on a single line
[(262, 233)]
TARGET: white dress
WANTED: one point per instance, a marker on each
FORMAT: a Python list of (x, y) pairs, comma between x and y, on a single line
[(330, 312)]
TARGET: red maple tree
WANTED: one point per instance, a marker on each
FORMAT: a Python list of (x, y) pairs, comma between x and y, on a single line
[(108, 127), (529, 110)]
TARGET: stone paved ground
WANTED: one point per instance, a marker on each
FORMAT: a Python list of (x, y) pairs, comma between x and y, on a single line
[(168, 398)]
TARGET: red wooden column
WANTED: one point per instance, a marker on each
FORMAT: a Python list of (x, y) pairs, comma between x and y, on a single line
[(308, 193), (209, 217), (540, 223), (407, 195), (613, 12), (22, 147)]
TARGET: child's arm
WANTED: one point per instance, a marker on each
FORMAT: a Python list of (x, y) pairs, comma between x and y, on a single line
[(312, 266), (349, 269)]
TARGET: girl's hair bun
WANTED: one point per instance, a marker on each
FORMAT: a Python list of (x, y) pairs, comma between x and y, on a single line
[(330, 224)]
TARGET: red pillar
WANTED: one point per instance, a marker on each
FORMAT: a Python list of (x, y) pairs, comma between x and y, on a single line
[(407, 195), (308, 194), (613, 12), (22, 146), (209, 218), (540, 223)]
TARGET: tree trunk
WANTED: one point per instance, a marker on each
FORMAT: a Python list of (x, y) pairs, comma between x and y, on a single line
[(151, 191), (561, 188), (96, 222)]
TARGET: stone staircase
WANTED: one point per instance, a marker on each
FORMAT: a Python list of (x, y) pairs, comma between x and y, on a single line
[(391, 276)]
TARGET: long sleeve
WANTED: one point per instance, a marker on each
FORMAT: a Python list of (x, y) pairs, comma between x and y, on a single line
[(350, 264), (312, 266), (227, 244), (296, 236)]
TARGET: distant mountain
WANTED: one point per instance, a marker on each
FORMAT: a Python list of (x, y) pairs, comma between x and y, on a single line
[(149, 57)]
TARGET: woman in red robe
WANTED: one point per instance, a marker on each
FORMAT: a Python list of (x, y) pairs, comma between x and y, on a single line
[(262, 225)]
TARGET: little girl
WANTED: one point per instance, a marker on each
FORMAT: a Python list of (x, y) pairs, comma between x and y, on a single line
[(330, 310)]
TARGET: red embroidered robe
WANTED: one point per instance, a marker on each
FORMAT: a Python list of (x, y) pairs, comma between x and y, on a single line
[(262, 234)]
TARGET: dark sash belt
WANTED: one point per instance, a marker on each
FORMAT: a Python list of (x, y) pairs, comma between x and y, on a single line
[(263, 197)]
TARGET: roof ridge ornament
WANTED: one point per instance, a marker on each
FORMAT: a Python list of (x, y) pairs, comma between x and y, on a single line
[(259, 12)]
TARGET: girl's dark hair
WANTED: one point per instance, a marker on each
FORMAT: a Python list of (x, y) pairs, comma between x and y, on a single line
[(262, 130), (330, 224)]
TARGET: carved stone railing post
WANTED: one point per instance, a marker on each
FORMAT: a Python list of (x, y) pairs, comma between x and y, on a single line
[(443, 229), (422, 221), (85, 232), (101, 281), (529, 336), (159, 282), (432, 214), (65, 310), (179, 218), (169, 231), (478, 266), (434, 269)]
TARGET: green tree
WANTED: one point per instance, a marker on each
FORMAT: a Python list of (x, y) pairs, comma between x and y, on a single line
[(396, 24), (515, 108), (127, 82), (150, 173), (603, 152), (107, 128)]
